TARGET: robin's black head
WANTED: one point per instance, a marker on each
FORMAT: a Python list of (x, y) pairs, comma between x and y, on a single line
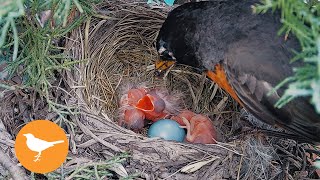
[(174, 49), (166, 57), (176, 43)]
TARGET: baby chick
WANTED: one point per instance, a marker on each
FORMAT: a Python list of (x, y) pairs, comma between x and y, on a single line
[(199, 127), (131, 117), (200, 130)]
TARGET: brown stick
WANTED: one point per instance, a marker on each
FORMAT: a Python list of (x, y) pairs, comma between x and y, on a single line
[(16, 172)]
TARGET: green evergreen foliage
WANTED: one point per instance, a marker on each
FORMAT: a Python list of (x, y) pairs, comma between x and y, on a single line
[(30, 43), (302, 18)]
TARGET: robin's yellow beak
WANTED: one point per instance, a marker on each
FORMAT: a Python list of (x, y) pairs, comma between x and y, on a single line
[(162, 66)]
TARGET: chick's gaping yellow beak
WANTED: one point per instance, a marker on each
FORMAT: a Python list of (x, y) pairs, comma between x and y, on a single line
[(162, 65)]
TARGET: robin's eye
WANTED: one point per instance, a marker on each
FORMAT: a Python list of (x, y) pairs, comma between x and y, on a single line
[(166, 55)]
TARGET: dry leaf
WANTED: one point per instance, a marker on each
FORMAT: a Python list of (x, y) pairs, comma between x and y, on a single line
[(195, 166), (119, 169)]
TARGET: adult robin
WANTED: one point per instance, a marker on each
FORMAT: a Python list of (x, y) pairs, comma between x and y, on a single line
[(241, 52)]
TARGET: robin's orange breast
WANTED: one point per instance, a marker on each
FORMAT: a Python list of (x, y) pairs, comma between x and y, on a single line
[(219, 77)]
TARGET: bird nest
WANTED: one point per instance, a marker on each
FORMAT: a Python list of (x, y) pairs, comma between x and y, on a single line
[(117, 49)]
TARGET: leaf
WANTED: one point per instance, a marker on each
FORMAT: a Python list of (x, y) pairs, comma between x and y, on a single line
[(196, 166), (119, 169)]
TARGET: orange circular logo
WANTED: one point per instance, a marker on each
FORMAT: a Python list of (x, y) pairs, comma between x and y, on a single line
[(41, 146)]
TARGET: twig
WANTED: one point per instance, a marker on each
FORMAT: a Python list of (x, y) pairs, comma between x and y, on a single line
[(239, 169), (214, 92), (92, 141), (221, 104), (7, 142), (236, 152), (88, 132), (16, 172)]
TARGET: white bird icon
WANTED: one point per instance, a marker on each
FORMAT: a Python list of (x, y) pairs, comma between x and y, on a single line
[(39, 145)]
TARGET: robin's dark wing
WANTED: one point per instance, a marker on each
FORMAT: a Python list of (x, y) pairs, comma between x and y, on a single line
[(253, 68)]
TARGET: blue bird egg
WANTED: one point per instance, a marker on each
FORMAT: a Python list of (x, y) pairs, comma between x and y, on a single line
[(169, 2), (167, 129)]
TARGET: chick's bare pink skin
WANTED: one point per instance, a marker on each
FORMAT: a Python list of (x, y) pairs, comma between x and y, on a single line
[(200, 130), (184, 113), (134, 119), (134, 95)]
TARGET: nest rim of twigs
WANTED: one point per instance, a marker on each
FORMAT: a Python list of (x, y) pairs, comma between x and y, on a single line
[(118, 47)]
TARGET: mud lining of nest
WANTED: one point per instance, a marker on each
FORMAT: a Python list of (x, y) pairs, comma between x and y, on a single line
[(117, 48)]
